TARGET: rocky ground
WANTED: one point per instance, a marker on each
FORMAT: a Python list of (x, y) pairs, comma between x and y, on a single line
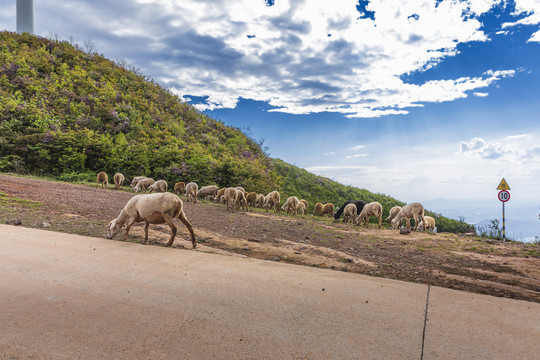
[(448, 260)]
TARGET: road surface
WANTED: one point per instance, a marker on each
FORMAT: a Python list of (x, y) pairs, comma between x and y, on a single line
[(65, 296)]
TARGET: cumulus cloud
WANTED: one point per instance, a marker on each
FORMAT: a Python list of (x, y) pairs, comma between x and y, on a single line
[(280, 52), (515, 148)]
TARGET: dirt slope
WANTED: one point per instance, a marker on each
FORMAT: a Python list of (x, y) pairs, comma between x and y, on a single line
[(448, 260)]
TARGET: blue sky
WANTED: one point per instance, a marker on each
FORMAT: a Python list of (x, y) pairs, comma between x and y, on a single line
[(431, 101)]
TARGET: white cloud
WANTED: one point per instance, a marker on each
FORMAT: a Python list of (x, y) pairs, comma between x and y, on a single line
[(222, 51), (480, 94), (516, 149), (356, 156), (358, 147)]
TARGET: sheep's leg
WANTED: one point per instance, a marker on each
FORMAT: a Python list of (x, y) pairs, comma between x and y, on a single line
[(183, 219), (128, 226), (415, 217), (423, 221), (146, 226), (168, 219), (380, 221)]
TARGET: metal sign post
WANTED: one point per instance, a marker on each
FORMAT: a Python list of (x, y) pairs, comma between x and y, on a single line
[(503, 196)]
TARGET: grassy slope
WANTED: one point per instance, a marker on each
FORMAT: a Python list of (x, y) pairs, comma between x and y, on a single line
[(70, 114)]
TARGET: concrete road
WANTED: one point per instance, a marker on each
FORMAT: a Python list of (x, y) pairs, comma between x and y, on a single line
[(73, 297)]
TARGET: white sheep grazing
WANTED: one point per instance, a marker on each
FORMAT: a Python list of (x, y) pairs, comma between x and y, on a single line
[(407, 212), (272, 200), (349, 213), (290, 205), (393, 213), (144, 184), (207, 192), (301, 208), (371, 209), (153, 209), (241, 201), (136, 180), (118, 180), (230, 198), (159, 186), (260, 201), (430, 224), (191, 192), (219, 197), (240, 188)]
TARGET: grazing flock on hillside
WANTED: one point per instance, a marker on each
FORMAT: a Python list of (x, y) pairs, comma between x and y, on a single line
[(163, 206)]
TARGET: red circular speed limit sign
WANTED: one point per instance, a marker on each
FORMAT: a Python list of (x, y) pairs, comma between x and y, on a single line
[(503, 195)]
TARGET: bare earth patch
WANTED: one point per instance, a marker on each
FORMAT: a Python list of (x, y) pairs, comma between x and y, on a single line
[(467, 263)]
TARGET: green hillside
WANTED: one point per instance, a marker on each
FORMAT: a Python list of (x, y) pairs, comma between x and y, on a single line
[(70, 114)]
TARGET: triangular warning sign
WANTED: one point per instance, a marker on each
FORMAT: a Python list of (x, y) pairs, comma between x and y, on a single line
[(503, 185)]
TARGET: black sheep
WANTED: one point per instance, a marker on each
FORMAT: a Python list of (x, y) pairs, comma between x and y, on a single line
[(359, 206)]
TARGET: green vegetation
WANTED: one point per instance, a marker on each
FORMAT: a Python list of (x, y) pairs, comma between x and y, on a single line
[(13, 201), (69, 114)]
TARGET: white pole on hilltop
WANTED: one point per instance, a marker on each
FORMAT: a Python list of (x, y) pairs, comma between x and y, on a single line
[(25, 16)]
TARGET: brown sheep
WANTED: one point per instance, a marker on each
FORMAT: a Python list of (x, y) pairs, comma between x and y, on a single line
[(407, 212), (191, 192), (241, 202), (118, 180), (251, 198), (272, 200), (317, 210), (219, 197), (158, 186), (349, 213), (136, 180), (305, 204), (290, 206), (260, 201), (301, 208), (207, 192), (230, 198), (179, 187), (430, 224), (102, 180), (328, 209), (144, 184), (393, 213), (371, 209), (153, 209)]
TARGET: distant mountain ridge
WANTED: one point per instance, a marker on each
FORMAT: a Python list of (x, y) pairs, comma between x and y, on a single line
[(68, 113)]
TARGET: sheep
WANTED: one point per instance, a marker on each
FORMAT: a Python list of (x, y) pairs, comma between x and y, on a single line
[(118, 180), (208, 191), (251, 198), (305, 204), (179, 187), (230, 198), (240, 188), (219, 197), (143, 184), (407, 212), (136, 180), (158, 186), (272, 199), (290, 205), (371, 209), (327, 209), (301, 208), (317, 210), (392, 214), (241, 202), (191, 192), (102, 180), (430, 224), (359, 206), (153, 209), (349, 214), (260, 201)]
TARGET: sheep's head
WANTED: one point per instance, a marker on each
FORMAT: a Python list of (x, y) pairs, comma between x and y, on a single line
[(395, 222), (114, 228)]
